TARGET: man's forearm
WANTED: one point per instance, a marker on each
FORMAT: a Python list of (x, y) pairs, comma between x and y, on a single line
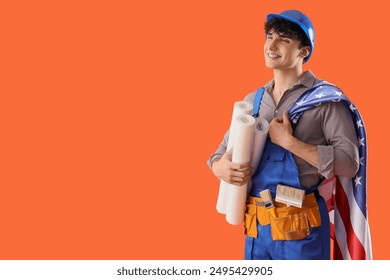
[(303, 150)]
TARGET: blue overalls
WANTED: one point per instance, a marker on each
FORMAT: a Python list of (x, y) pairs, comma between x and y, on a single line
[(277, 166)]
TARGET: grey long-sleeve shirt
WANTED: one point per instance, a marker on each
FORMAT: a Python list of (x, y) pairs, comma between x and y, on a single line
[(330, 127)]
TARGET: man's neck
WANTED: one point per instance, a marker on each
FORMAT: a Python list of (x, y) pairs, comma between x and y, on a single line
[(284, 80)]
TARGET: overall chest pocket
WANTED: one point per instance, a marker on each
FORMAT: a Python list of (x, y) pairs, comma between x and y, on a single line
[(275, 156), (274, 163)]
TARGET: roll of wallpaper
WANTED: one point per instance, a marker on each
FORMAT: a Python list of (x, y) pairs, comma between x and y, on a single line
[(261, 133), (240, 107), (242, 153)]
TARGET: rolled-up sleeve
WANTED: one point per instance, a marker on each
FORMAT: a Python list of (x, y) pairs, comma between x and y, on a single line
[(220, 151), (341, 155), (325, 160)]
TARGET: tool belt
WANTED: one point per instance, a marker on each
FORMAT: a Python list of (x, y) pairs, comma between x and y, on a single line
[(287, 222)]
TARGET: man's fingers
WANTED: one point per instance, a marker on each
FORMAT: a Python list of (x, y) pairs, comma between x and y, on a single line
[(240, 181), (247, 171), (241, 166), (240, 174), (235, 176)]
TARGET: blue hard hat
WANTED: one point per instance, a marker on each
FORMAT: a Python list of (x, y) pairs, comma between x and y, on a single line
[(304, 23)]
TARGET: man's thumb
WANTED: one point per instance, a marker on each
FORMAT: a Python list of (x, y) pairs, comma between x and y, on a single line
[(286, 117), (229, 154)]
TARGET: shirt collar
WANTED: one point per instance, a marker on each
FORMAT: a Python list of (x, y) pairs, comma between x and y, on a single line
[(308, 79)]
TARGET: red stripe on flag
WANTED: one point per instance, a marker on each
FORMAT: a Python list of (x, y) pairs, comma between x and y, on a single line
[(330, 203), (332, 233), (356, 249), (336, 251)]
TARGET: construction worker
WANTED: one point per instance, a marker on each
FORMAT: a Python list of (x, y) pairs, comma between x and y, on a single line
[(320, 143)]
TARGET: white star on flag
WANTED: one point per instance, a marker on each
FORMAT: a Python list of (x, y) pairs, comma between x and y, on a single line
[(359, 123), (300, 103), (338, 93), (320, 95), (361, 142), (352, 107), (361, 161), (357, 180)]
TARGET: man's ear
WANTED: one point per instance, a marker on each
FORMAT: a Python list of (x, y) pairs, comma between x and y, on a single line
[(305, 51)]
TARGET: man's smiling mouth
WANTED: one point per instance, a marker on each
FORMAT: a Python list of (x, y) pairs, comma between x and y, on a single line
[(272, 55)]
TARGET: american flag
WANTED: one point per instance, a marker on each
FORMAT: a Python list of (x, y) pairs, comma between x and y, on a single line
[(346, 198)]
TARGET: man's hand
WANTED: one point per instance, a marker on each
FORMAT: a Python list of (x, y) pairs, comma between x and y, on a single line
[(280, 130), (232, 173)]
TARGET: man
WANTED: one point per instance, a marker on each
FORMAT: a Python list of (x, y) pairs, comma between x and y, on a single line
[(322, 144)]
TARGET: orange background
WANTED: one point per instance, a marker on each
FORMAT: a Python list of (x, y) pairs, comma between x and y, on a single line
[(110, 109)]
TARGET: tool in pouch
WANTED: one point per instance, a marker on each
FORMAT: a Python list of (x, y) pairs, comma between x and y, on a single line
[(268, 203), (289, 195), (286, 222)]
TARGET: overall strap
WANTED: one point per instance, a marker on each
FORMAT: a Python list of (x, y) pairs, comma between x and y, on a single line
[(256, 103)]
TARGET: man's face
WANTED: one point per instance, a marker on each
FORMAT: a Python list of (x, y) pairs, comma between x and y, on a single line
[(281, 52)]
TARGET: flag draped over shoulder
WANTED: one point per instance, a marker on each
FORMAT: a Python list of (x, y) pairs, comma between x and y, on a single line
[(346, 198)]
